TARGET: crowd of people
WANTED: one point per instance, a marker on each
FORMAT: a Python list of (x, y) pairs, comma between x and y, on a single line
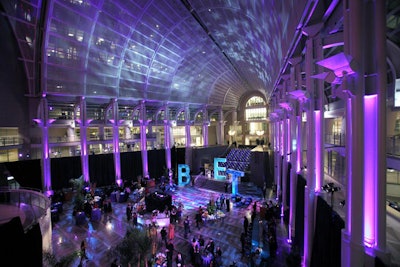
[(201, 251)]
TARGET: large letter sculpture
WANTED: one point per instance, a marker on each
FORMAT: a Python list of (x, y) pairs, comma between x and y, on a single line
[(217, 168), (183, 171), (235, 174)]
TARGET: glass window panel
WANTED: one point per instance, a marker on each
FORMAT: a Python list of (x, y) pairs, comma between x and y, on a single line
[(165, 51), (128, 75), (101, 90), (64, 88)]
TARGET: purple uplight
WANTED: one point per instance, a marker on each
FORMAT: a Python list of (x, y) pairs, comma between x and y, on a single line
[(289, 141), (317, 115), (370, 170)]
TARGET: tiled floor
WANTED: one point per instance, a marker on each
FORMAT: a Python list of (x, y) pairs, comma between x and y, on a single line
[(103, 235)]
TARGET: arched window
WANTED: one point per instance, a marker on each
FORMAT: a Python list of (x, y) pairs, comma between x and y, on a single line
[(255, 109)]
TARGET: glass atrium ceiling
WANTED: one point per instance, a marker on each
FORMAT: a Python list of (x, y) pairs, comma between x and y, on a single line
[(191, 51)]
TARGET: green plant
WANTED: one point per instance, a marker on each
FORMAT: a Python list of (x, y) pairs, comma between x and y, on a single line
[(79, 198), (50, 259), (135, 247)]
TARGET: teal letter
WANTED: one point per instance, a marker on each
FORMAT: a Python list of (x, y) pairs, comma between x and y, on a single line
[(183, 171), (217, 168)]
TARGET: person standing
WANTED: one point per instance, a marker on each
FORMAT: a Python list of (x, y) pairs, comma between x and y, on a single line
[(171, 231), (135, 219), (186, 225), (83, 250), (228, 204), (179, 260), (245, 225), (170, 252), (198, 219), (243, 241), (129, 212), (164, 234), (210, 247), (264, 190)]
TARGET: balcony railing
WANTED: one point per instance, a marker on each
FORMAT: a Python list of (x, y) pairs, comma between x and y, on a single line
[(11, 141), (32, 202)]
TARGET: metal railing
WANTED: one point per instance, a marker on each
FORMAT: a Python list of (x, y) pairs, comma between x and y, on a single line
[(31, 201), (11, 141)]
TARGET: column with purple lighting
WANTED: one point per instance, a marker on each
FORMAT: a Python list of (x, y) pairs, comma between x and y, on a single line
[(279, 154), (44, 123), (83, 138), (167, 138), (375, 133), (285, 162), (115, 128), (309, 202), (299, 131), (293, 171), (206, 123), (370, 168), (143, 140), (381, 84), (318, 153), (188, 123), (353, 234), (220, 128), (319, 119)]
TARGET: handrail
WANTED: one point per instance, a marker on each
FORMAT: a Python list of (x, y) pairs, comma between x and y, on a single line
[(34, 199)]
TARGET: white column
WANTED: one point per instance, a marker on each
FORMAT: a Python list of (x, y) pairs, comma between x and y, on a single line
[(320, 119), (293, 172), (352, 235), (143, 139), (187, 127), (115, 129), (44, 123), (220, 132), (83, 140), (205, 127), (381, 65), (309, 204)]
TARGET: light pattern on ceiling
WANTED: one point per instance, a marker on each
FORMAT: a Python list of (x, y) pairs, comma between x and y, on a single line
[(158, 50)]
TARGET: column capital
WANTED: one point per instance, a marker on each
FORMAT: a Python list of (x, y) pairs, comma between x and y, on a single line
[(144, 122)]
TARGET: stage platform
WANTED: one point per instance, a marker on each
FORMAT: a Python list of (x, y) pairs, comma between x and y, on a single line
[(209, 183)]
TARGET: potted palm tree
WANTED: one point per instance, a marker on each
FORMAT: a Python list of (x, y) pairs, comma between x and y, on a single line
[(135, 247), (50, 259)]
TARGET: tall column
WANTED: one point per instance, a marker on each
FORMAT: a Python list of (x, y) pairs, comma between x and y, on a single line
[(143, 139), (309, 204), (279, 156), (285, 145), (44, 123), (293, 171), (167, 144), (285, 165), (319, 120), (299, 131), (352, 235), (206, 123), (83, 124), (187, 127), (375, 132), (115, 141), (220, 128), (381, 66)]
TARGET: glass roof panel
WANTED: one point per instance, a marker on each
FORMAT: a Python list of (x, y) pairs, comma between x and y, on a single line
[(209, 53)]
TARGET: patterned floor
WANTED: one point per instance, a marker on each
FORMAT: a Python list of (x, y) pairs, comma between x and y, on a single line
[(101, 236)]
